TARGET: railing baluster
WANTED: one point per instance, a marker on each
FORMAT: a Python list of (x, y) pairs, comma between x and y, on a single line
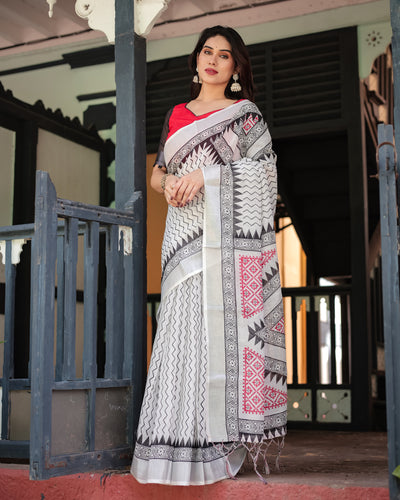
[(70, 260), (114, 305), (345, 314), (91, 270), (294, 341), (60, 307), (8, 365), (313, 342), (333, 338)]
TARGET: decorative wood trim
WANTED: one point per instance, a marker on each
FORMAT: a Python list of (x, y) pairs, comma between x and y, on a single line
[(96, 95), (90, 57), (33, 67), (100, 15), (53, 121)]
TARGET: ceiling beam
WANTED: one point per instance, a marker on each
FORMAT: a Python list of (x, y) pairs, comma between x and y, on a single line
[(204, 5), (10, 32), (25, 15), (60, 12)]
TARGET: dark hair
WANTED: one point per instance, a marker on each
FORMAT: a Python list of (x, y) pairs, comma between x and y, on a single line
[(240, 56)]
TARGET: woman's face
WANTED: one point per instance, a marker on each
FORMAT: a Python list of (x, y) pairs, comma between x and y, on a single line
[(215, 62)]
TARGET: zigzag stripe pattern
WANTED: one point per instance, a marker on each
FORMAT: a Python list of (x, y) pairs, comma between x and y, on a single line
[(251, 186), (183, 225), (173, 411)]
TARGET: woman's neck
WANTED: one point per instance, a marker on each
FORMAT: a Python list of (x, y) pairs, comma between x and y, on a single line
[(211, 93)]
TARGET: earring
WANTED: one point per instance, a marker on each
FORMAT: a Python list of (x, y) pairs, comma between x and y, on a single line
[(196, 78), (236, 87)]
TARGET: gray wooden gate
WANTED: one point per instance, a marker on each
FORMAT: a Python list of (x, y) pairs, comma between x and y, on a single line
[(82, 415)]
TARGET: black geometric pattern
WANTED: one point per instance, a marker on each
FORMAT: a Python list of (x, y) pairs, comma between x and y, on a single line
[(258, 182), (261, 334)]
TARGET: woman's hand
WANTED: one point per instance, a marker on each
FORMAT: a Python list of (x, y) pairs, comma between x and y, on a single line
[(170, 183), (183, 190)]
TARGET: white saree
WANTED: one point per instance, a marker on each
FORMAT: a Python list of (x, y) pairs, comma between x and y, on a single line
[(216, 386)]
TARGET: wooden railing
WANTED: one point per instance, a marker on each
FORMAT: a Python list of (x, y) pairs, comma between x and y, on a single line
[(325, 311), (12, 240), (82, 415)]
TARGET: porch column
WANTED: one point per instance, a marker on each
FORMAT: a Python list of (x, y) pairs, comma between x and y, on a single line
[(361, 358), (130, 189), (390, 265)]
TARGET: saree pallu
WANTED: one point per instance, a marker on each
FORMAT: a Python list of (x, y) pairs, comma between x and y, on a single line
[(216, 387)]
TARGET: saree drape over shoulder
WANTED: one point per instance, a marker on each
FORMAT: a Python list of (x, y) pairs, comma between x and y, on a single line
[(216, 386)]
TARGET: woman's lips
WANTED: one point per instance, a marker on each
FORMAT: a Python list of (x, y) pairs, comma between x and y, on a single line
[(211, 71)]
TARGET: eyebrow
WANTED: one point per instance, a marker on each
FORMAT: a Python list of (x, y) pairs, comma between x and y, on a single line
[(220, 50)]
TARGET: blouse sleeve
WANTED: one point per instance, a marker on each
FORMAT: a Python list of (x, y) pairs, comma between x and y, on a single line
[(257, 142), (160, 160)]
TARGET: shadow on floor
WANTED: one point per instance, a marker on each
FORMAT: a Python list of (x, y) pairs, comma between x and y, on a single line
[(330, 458)]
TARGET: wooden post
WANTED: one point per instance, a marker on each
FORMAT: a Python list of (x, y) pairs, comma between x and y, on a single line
[(392, 345), (42, 321), (390, 292), (395, 20), (361, 357), (130, 189)]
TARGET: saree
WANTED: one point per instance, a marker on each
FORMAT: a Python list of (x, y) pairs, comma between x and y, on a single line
[(216, 386)]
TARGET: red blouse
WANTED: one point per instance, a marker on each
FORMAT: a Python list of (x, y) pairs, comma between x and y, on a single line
[(176, 118), (182, 116)]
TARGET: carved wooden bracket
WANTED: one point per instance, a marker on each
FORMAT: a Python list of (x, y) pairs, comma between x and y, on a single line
[(146, 14), (16, 249), (51, 5), (100, 15)]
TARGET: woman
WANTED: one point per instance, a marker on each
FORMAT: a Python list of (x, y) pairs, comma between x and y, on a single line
[(216, 387)]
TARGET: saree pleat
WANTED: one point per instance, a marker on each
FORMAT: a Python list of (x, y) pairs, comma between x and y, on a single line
[(216, 386)]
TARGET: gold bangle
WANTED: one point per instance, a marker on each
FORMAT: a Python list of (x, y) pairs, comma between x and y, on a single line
[(163, 179)]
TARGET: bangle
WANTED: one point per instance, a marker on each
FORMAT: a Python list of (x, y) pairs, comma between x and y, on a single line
[(163, 179)]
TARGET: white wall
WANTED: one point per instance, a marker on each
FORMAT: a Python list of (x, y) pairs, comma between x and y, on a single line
[(7, 156), (74, 169)]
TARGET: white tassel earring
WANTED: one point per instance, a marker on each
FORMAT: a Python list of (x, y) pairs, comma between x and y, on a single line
[(196, 78), (236, 87)]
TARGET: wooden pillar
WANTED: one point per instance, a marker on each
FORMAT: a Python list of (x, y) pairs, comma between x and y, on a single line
[(390, 296), (130, 189), (388, 170), (361, 361)]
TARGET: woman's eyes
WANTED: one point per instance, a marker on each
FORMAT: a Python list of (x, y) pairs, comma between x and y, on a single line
[(209, 53)]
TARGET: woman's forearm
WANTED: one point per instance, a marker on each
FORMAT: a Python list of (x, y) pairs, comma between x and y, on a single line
[(155, 181)]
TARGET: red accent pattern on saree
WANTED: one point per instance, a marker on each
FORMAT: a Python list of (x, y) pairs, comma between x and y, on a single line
[(249, 123), (280, 326), (274, 398), (253, 390), (250, 269)]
